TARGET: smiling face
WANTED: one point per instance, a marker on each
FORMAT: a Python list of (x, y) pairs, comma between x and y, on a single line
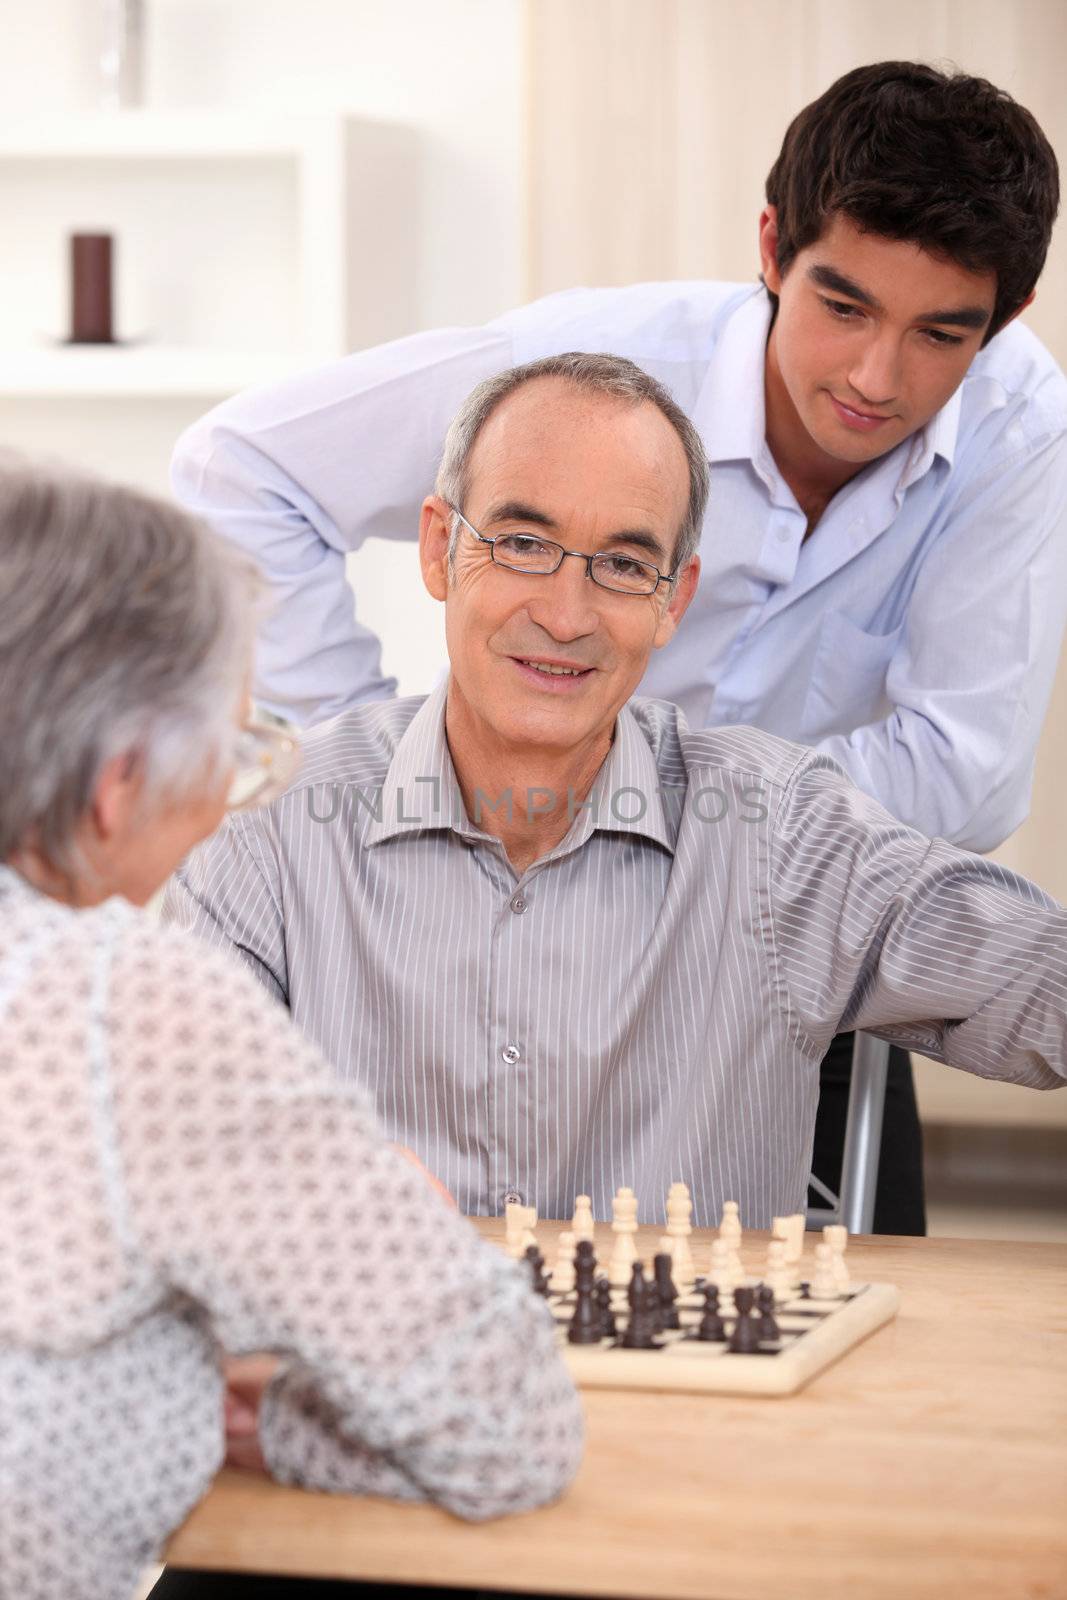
[(871, 338), (588, 472)]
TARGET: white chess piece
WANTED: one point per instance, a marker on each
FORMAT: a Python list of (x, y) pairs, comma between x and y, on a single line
[(722, 1271), (824, 1283), (777, 1275), (836, 1236), (563, 1272), (679, 1228), (730, 1224), (582, 1226), (519, 1223), (623, 1226), (791, 1231)]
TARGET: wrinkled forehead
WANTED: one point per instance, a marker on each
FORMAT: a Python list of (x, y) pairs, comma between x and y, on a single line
[(553, 444)]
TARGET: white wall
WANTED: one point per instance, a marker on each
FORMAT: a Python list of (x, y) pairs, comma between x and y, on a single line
[(451, 70)]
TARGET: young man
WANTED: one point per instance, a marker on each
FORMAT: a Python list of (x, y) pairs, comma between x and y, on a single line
[(885, 556)]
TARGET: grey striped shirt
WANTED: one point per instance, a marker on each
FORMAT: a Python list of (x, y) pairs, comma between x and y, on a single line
[(649, 1001)]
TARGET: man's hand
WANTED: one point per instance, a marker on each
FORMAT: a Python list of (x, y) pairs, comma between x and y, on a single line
[(246, 1379)]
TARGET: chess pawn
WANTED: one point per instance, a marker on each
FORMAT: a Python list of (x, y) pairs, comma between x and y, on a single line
[(777, 1276), (824, 1283), (582, 1226), (623, 1226), (730, 1224), (538, 1276), (744, 1340), (679, 1227), (563, 1271), (723, 1269), (836, 1236), (712, 1328)]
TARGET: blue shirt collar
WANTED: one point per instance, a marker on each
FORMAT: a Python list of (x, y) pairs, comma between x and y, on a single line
[(730, 414)]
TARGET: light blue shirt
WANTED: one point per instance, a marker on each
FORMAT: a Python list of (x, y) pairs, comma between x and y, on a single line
[(913, 637)]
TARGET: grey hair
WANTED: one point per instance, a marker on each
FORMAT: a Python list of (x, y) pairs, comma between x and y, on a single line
[(597, 374), (126, 627)]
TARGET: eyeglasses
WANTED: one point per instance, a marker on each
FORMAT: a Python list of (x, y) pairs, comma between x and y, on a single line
[(267, 756), (524, 550)]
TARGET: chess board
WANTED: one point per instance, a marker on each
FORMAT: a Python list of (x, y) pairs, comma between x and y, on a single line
[(813, 1334)]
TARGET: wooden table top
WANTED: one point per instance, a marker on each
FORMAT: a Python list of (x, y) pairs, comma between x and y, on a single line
[(929, 1463)]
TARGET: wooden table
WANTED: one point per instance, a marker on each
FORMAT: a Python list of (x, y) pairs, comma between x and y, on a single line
[(929, 1464)]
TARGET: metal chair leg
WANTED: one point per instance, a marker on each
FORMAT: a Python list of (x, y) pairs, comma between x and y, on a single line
[(854, 1205)]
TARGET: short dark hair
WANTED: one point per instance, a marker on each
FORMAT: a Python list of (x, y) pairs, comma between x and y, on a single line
[(948, 161)]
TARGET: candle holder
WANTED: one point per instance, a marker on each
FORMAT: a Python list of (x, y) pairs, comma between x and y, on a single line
[(91, 261)]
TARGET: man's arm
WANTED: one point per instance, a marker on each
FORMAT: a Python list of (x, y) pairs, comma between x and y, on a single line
[(971, 679), (226, 892), (301, 473), (877, 927)]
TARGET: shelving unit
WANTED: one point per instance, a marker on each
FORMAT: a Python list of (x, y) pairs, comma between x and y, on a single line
[(248, 245)]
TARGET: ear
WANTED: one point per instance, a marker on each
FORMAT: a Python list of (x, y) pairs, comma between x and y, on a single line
[(678, 605), (115, 798), (768, 249), (435, 530)]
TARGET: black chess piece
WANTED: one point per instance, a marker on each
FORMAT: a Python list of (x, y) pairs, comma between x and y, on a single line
[(644, 1304), (712, 1328), (768, 1327), (585, 1323), (608, 1326), (744, 1340), (538, 1275), (668, 1294)]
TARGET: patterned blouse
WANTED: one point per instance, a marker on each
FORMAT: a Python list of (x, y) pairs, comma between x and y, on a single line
[(181, 1175)]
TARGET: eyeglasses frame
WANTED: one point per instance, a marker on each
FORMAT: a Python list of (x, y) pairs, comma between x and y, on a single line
[(579, 555)]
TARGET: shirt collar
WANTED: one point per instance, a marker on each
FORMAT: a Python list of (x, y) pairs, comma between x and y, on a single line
[(730, 412), (938, 438), (421, 790)]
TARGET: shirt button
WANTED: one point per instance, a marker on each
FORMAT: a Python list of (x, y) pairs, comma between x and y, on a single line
[(518, 905), (510, 1054), (784, 535), (513, 1198)]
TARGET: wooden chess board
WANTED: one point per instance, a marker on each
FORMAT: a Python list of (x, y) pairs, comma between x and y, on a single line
[(813, 1334)]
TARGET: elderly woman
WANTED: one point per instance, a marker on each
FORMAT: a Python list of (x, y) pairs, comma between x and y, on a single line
[(179, 1172)]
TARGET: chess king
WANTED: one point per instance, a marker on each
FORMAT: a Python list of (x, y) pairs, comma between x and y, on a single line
[(885, 556), (560, 935)]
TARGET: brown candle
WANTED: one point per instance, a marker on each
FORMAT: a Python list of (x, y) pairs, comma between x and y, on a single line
[(90, 271)]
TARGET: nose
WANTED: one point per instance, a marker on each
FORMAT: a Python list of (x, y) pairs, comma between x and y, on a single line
[(875, 373), (564, 604)]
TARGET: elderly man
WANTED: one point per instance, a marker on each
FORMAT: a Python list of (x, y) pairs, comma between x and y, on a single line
[(566, 942)]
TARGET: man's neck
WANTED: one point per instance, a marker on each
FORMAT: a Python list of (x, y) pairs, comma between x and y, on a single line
[(527, 797), (812, 476)]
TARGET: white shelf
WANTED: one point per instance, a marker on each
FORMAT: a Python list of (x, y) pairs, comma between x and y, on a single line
[(137, 371), (230, 227), (172, 135)]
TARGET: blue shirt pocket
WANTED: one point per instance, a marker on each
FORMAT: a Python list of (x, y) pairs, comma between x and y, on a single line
[(848, 675)]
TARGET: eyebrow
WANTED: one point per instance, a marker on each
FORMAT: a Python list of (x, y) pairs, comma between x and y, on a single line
[(518, 511), (958, 317)]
